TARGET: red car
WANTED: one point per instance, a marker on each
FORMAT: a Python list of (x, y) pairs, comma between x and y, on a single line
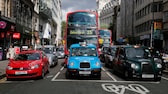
[(28, 64)]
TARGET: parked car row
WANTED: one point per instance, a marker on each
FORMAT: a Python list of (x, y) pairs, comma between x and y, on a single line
[(32, 63), (133, 61)]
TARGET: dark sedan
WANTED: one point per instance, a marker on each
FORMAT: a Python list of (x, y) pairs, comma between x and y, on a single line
[(136, 61)]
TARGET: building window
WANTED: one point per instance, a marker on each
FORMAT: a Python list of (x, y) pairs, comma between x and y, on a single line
[(165, 17), (157, 7)]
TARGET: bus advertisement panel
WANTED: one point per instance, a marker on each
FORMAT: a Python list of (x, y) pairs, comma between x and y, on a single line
[(81, 26)]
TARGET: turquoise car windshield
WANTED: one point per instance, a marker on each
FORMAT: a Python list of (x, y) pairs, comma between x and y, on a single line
[(137, 53), (83, 51)]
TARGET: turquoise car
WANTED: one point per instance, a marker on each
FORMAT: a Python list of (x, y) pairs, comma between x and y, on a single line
[(83, 61)]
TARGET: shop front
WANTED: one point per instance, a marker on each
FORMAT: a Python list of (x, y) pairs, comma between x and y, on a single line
[(7, 35)]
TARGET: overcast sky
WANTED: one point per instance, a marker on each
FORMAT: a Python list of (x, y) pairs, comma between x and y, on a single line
[(72, 5)]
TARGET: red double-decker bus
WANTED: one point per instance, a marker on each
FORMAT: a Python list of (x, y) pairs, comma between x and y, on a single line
[(81, 26), (105, 37)]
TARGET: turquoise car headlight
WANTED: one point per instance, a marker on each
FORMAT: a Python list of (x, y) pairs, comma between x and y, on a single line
[(97, 64), (159, 65), (71, 64), (134, 66)]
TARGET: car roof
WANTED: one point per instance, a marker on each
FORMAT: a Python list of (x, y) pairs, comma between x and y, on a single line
[(49, 46)]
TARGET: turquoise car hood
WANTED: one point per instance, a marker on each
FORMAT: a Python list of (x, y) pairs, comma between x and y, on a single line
[(78, 60)]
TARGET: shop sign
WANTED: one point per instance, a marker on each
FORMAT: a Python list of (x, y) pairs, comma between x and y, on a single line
[(16, 35), (2, 35), (2, 24), (157, 25)]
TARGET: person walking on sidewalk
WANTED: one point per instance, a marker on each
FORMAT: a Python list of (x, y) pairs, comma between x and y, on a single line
[(11, 52)]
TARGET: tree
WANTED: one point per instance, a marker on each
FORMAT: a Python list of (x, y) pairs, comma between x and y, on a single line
[(63, 27)]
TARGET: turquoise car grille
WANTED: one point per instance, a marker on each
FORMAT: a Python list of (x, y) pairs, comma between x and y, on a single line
[(84, 65)]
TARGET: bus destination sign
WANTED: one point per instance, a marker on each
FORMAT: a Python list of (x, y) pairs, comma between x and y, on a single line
[(82, 32)]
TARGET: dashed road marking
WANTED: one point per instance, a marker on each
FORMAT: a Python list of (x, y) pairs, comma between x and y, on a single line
[(57, 74), (164, 78), (109, 74)]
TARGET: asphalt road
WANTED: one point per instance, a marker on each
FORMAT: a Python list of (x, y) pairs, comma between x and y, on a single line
[(56, 83)]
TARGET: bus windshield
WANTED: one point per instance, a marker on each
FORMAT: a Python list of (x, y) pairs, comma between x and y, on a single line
[(84, 51), (84, 18)]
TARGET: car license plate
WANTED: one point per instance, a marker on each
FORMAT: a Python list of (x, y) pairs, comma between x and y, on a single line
[(147, 76), (20, 72), (84, 72)]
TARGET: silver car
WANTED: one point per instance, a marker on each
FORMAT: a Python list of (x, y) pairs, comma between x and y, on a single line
[(50, 51), (60, 52)]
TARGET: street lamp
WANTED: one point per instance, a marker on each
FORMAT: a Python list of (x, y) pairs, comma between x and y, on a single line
[(152, 26), (151, 38)]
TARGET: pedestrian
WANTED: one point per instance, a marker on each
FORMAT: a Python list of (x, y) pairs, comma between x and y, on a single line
[(10, 52)]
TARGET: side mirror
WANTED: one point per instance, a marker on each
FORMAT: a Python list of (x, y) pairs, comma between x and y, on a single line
[(66, 56), (121, 56)]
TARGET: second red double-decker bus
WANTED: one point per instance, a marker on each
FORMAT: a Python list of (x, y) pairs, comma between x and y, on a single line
[(105, 37), (81, 26)]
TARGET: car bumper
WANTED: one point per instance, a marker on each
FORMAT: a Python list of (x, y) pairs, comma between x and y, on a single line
[(23, 73), (147, 75), (61, 56), (76, 72)]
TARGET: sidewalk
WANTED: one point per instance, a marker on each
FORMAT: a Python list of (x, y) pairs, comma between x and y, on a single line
[(3, 65)]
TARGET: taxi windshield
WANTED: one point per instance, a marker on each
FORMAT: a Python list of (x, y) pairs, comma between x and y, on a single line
[(83, 51), (28, 56), (137, 53)]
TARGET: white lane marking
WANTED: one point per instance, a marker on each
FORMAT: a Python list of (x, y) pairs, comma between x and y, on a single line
[(164, 78), (104, 81), (55, 76), (109, 74), (120, 89), (61, 68), (49, 76)]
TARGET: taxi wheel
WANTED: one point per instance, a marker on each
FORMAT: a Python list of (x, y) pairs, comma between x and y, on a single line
[(127, 75), (99, 77), (68, 75), (157, 79)]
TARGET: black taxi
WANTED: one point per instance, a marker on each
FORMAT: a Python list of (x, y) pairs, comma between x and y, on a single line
[(136, 62)]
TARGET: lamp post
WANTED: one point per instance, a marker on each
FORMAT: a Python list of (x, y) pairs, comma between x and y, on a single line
[(32, 33), (152, 26), (151, 38)]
